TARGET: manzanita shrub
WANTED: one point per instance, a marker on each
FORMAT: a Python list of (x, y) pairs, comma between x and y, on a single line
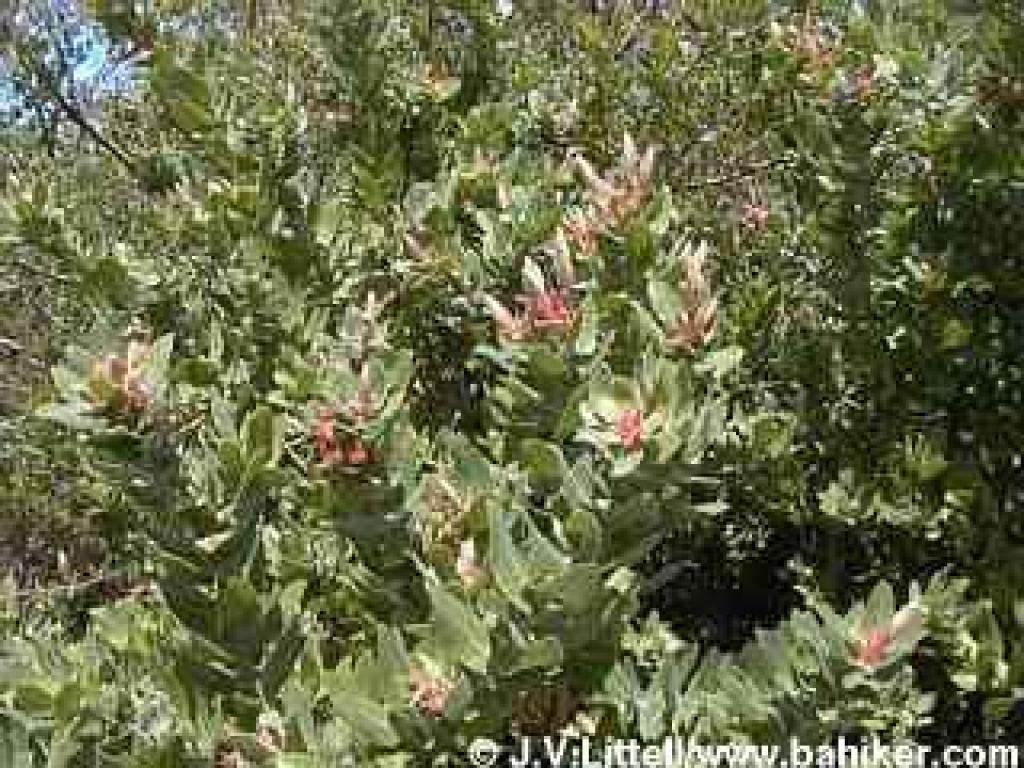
[(453, 371)]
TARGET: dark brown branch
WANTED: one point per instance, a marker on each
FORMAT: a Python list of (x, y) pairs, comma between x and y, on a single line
[(75, 115)]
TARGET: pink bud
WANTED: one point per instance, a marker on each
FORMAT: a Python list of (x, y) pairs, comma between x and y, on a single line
[(755, 217), (468, 568), (429, 694), (630, 428), (550, 310), (873, 647)]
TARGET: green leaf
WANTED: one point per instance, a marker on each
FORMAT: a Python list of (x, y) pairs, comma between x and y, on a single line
[(955, 334), (665, 301), (328, 219), (280, 663), (541, 653), (610, 397), (296, 760), (68, 383), (157, 364), (589, 328), (721, 362), (506, 561), (262, 437), (544, 462), (457, 634), (197, 371), (533, 278), (368, 719), (75, 416), (880, 605), (469, 466), (15, 747)]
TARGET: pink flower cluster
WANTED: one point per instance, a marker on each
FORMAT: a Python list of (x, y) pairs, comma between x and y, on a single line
[(336, 450), (119, 382), (545, 312)]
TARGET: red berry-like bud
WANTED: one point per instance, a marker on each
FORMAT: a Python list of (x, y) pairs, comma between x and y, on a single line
[(630, 428), (323, 435), (357, 453)]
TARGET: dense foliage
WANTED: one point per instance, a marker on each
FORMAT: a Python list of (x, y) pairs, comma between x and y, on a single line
[(379, 375)]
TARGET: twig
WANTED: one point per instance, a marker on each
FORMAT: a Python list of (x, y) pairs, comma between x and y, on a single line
[(113, 579), (740, 174), (38, 271), (694, 671), (61, 588), (11, 346), (74, 114), (14, 349)]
